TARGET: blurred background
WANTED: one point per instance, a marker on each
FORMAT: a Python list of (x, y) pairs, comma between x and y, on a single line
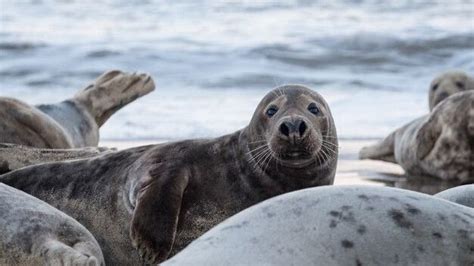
[(213, 60)]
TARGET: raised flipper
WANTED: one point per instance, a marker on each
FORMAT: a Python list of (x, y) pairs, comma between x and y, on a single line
[(111, 91), (14, 156), (155, 218), (426, 137), (383, 150)]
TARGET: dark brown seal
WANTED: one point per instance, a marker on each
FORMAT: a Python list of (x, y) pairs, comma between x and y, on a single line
[(75, 122), (159, 198)]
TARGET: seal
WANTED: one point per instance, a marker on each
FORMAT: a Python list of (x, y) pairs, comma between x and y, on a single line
[(447, 84), (439, 145), (75, 122), (34, 233), (462, 195), (340, 225), (161, 197)]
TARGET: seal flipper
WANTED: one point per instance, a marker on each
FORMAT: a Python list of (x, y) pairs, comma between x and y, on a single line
[(155, 218), (383, 150), (111, 91), (426, 138), (55, 252)]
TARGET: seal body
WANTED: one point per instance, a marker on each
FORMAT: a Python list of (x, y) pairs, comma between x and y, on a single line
[(440, 144), (161, 197), (447, 84), (75, 122), (34, 233), (340, 225), (462, 195)]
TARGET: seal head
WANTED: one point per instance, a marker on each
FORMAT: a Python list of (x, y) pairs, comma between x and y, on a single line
[(447, 84), (292, 129)]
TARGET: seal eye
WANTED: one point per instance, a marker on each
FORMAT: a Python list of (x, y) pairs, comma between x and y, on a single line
[(313, 108), (271, 111), (459, 85), (435, 86)]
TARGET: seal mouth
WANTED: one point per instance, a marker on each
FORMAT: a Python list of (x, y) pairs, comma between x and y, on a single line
[(295, 159)]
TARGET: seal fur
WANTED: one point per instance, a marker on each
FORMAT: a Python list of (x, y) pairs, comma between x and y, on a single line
[(34, 233)]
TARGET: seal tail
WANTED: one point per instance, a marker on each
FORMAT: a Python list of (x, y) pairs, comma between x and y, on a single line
[(112, 91)]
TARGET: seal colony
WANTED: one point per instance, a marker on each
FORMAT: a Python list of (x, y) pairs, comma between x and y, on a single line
[(75, 122), (34, 233), (439, 145), (340, 225), (161, 197)]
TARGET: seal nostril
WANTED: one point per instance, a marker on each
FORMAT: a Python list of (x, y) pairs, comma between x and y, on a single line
[(284, 129), (302, 128)]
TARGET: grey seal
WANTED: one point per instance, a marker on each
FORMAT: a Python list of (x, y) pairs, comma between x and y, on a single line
[(161, 197), (439, 145), (75, 122), (447, 84), (462, 195), (34, 233), (340, 225)]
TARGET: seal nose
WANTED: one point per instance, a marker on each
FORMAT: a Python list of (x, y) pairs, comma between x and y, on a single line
[(293, 129)]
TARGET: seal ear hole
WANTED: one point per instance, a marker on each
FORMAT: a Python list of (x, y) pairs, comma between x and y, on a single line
[(313, 108), (435, 87), (271, 111), (459, 84)]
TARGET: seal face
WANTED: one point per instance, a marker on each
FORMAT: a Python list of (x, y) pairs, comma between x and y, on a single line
[(439, 145), (35, 233), (295, 125), (292, 128), (340, 225), (447, 84), (169, 194)]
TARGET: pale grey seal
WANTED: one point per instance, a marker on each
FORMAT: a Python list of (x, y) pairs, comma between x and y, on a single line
[(340, 225), (75, 122), (159, 198), (440, 144), (34, 233)]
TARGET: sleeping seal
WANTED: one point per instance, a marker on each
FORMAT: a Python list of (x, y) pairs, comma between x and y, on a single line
[(440, 144), (447, 84), (34, 233), (161, 197), (340, 225), (75, 122)]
